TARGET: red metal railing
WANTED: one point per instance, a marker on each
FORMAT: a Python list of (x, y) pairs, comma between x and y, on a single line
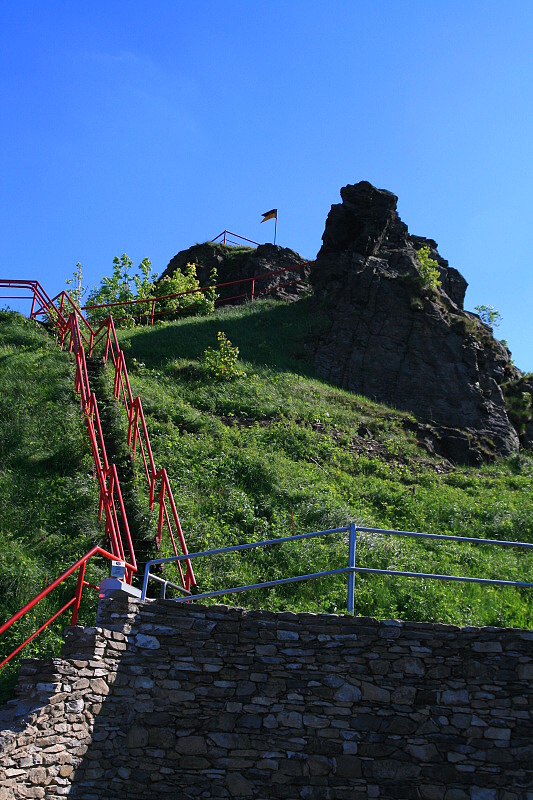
[(251, 294), (72, 336), (111, 501), (225, 237), (73, 603)]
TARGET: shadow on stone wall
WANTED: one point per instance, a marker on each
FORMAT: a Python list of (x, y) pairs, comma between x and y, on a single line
[(181, 701)]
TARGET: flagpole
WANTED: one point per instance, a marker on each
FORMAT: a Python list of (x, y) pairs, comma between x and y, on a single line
[(275, 227)]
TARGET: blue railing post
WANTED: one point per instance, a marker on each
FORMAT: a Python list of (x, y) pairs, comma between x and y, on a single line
[(351, 564)]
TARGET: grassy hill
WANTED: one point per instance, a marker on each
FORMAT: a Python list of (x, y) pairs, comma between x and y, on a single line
[(267, 453), (276, 451)]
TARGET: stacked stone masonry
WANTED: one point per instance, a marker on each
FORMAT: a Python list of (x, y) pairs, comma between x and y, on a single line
[(176, 701)]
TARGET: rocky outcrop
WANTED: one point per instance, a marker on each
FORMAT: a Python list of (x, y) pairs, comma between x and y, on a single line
[(244, 263), (519, 398), (394, 337)]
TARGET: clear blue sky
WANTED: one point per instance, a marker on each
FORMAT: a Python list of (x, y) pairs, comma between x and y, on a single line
[(144, 128)]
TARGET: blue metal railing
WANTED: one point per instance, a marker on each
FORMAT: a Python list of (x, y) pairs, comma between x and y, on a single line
[(351, 569)]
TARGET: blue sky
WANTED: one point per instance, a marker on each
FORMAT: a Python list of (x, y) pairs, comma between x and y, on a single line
[(137, 128)]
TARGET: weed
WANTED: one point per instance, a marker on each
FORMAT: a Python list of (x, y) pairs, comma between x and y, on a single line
[(222, 362)]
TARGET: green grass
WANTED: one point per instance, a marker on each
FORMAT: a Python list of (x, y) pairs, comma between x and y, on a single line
[(277, 451)]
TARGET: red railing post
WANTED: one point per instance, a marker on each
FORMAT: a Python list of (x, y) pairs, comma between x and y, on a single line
[(153, 312), (253, 290), (118, 369), (159, 534), (79, 591), (133, 416), (33, 302)]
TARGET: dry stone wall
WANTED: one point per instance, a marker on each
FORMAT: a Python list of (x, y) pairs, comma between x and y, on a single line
[(169, 701)]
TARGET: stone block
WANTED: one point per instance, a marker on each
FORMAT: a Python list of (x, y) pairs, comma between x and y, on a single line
[(410, 666), (499, 734), (375, 694), (290, 719), (74, 706), (238, 786), (136, 737), (423, 752), (487, 647), (432, 792), (454, 697), (525, 672), (147, 642), (287, 636), (348, 766), (37, 776), (191, 745), (347, 693)]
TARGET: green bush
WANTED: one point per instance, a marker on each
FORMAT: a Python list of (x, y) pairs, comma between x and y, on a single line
[(428, 270), (490, 316), (222, 362)]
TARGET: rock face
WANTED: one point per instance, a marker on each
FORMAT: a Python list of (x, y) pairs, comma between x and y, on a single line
[(519, 399), (240, 263), (392, 337)]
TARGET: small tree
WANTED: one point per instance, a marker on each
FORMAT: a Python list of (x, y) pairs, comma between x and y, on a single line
[(118, 289), (76, 290), (222, 362), (489, 315), (115, 289)]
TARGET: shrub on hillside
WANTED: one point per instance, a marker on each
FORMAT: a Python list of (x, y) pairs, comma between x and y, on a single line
[(221, 363), (123, 287)]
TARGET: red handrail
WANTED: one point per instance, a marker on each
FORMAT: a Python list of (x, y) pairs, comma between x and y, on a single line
[(225, 234), (72, 336), (110, 492), (74, 601), (200, 290)]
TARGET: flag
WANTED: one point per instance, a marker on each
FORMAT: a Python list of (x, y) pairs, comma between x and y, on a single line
[(272, 214)]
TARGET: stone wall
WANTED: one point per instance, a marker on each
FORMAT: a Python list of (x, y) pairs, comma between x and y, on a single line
[(169, 701)]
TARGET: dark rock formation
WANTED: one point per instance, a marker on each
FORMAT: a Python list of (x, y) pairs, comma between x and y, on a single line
[(519, 398), (239, 263), (394, 338)]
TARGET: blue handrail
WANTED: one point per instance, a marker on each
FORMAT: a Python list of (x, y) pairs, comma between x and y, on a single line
[(351, 569)]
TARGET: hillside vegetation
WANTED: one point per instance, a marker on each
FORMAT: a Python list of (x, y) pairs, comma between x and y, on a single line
[(265, 453), (274, 451)]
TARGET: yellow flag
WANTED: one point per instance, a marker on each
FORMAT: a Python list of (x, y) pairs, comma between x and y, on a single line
[(272, 214)]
